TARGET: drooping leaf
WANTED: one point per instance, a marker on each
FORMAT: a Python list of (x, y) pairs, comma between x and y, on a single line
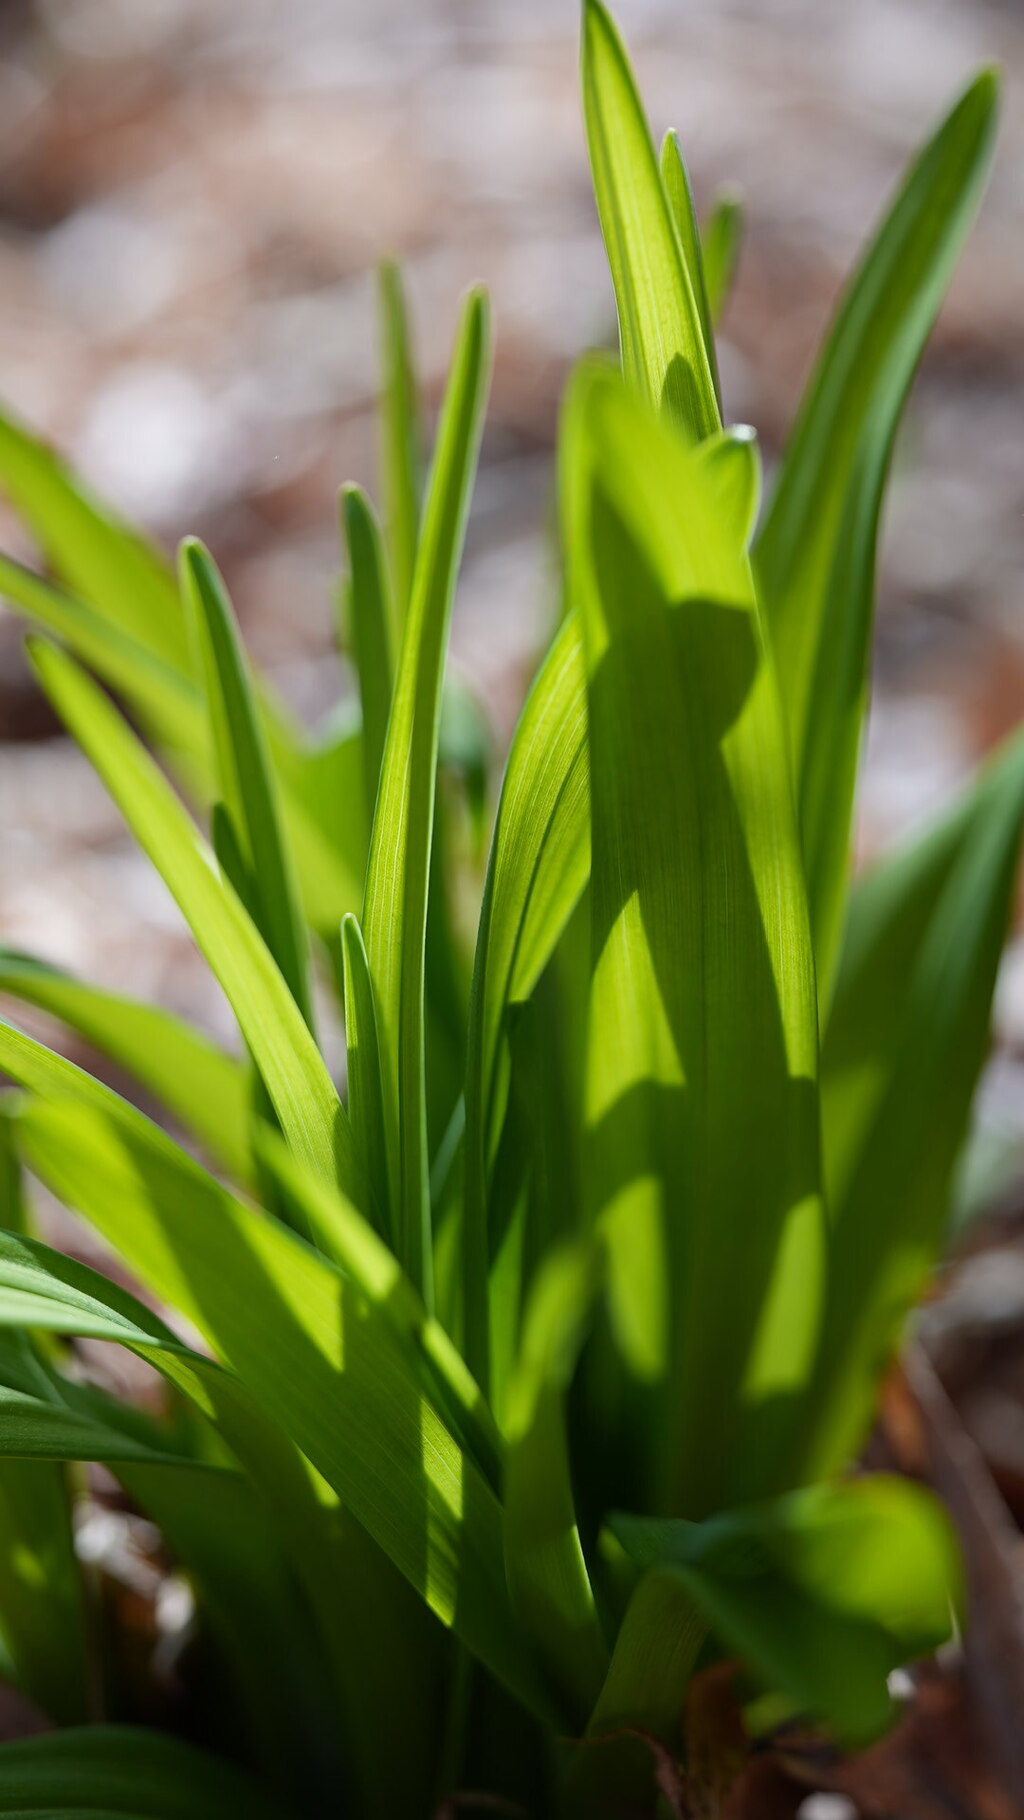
[(322, 1358), (162, 695), (903, 1051), (111, 567), (201, 1085), (815, 556), (121, 1772), (663, 351), (395, 906), (44, 1647), (823, 1592), (401, 457), (702, 1107), (246, 783), (304, 1098)]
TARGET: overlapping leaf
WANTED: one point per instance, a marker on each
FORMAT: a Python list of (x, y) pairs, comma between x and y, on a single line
[(701, 1096), (197, 1082), (121, 1772), (304, 1098), (663, 351), (823, 1592)]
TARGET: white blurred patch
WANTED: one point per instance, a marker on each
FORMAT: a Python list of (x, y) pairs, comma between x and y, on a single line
[(154, 443), (110, 267), (827, 1807)]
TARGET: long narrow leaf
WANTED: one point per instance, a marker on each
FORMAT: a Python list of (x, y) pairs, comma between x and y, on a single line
[(548, 1576), (365, 1087), (663, 350), (304, 1098), (110, 566), (197, 1082), (815, 557), (372, 630), (720, 246), (401, 457), (395, 908), (247, 786), (120, 1772), (538, 866), (325, 1359), (903, 1052), (676, 179)]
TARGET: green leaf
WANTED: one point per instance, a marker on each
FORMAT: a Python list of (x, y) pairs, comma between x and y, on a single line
[(204, 1088), (663, 350), (431, 1357), (304, 1098), (43, 1642), (111, 567), (701, 1100), (401, 457), (324, 1359), (329, 843), (365, 1087), (815, 556), (676, 179), (537, 868), (823, 1592), (120, 1772), (903, 1051), (547, 1572), (34, 1427), (373, 632), (167, 704), (245, 780), (326, 815), (270, 1658), (395, 907), (720, 245)]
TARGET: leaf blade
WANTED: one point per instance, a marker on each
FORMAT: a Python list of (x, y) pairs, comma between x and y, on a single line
[(815, 555), (397, 880), (663, 349)]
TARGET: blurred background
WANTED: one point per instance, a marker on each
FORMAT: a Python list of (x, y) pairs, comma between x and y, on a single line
[(192, 197)]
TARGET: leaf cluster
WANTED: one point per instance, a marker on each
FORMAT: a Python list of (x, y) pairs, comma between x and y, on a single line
[(525, 1375)]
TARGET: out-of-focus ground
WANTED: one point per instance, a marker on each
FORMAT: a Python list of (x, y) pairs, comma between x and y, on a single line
[(192, 195)]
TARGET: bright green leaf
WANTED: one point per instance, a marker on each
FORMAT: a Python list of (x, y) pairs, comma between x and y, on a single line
[(304, 1098), (702, 1104), (204, 1088), (401, 457), (823, 1592), (663, 349), (395, 908)]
